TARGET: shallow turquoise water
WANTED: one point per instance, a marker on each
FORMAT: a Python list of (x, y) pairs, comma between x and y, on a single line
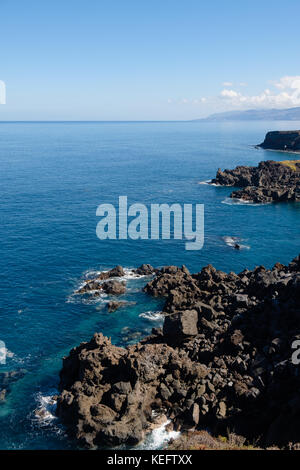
[(53, 177)]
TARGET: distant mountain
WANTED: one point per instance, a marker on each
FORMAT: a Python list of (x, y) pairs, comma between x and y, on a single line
[(291, 114)]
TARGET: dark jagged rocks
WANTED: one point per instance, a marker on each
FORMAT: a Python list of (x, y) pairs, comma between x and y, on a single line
[(222, 361), (105, 281), (145, 270), (282, 140), (270, 181)]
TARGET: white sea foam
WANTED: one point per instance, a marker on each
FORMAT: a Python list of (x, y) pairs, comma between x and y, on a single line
[(45, 411), (232, 241), (75, 298), (5, 353), (44, 416), (241, 202), (205, 182), (152, 316), (159, 437), (209, 183), (130, 274)]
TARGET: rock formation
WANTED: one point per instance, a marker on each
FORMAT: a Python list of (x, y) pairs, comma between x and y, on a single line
[(270, 181), (104, 282), (282, 140), (145, 270), (222, 361)]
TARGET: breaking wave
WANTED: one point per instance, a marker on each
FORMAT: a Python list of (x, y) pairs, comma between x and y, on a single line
[(152, 316), (233, 241), (241, 202), (44, 414), (205, 182), (159, 437)]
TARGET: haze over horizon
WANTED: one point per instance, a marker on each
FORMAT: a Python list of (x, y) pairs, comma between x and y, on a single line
[(114, 60)]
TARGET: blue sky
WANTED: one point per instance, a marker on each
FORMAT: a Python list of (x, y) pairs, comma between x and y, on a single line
[(147, 59)]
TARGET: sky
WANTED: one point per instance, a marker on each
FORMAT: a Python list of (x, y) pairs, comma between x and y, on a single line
[(147, 59)]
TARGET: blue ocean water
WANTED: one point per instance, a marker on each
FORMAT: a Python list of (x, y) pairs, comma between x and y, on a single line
[(53, 177)]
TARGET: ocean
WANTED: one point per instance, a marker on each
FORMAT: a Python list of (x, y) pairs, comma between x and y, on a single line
[(53, 177)]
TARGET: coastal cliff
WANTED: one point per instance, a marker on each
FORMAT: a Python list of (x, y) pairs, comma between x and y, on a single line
[(270, 181), (282, 140), (221, 361)]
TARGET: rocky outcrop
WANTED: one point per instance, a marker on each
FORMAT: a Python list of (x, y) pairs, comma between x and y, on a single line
[(145, 270), (222, 361), (118, 271), (114, 287), (282, 140), (270, 181), (104, 282)]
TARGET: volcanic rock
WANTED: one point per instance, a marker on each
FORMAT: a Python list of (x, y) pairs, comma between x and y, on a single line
[(114, 287), (282, 140), (223, 360), (270, 181)]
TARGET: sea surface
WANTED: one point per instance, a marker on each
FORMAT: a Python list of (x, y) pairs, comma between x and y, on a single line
[(52, 178)]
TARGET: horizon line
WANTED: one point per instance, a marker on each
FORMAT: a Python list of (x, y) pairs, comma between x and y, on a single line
[(95, 120)]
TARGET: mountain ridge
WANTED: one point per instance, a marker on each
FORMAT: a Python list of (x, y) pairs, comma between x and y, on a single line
[(288, 114)]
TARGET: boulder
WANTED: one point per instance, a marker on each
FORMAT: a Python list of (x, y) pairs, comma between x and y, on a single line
[(181, 325), (145, 270), (114, 287), (117, 271)]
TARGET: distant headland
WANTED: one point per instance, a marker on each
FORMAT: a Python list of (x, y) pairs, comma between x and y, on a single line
[(270, 181), (282, 140), (289, 114)]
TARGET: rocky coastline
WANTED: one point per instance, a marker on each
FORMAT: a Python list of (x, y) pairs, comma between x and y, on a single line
[(288, 141), (269, 182), (223, 360)]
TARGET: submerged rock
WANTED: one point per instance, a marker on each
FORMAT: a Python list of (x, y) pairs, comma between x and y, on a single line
[(113, 305), (6, 381), (3, 395)]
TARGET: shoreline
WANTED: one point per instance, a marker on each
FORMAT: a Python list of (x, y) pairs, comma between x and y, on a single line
[(293, 152), (201, 368), (270, 181)]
